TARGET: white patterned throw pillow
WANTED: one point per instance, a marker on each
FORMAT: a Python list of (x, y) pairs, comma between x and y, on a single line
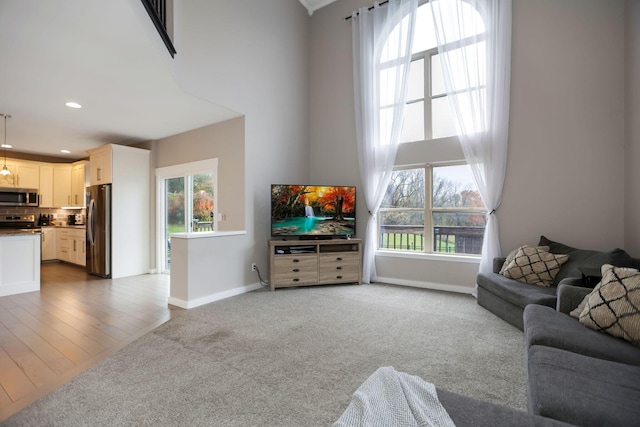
[(512, 255), (534, 265), (614, 304)]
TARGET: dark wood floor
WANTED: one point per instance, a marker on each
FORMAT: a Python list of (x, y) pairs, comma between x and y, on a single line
[(75, 321)]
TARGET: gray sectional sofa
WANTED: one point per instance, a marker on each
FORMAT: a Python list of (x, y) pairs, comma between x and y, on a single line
[(507, 298), (575, 374)]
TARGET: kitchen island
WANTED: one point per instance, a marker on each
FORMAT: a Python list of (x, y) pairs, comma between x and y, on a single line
[(19, 261)]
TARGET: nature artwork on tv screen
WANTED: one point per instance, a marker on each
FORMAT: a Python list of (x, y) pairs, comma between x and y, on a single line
[(312, 210)]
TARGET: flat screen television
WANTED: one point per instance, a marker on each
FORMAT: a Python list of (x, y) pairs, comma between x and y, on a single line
[(312, 211)]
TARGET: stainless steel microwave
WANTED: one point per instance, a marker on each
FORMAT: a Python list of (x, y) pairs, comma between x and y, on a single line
[(10, 196)]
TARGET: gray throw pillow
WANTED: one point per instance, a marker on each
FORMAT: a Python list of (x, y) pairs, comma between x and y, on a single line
[(584, 257)]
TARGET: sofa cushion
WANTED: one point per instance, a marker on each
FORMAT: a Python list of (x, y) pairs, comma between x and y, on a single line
[(468, 412), (515, 292), (583, 257), (614, 304), (582, 390), (545, 326), (534, 265)]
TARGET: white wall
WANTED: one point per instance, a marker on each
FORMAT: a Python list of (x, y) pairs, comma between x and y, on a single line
[(565, 175), (250, 57), (632, 127)]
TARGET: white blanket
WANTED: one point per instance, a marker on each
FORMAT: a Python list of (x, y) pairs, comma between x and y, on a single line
[(392, 398)]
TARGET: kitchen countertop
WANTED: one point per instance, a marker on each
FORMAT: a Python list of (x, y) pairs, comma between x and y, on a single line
[(81, 227), (14, 232)]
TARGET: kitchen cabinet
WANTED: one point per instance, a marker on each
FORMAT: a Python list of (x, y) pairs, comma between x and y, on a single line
[(62, 244), (78, 184), (27, 175), (100, 165), (129, 175), (71, 245), (77, 246), (46, 186), (8, 180), (24, 174), (19, 263), (48, 244), (62, 185)]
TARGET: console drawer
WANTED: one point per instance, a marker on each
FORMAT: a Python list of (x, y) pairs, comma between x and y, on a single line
[(339, 267), (294, 270)]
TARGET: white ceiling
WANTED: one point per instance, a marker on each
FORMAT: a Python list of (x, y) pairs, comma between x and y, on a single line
[(101, 54), (313, 5)]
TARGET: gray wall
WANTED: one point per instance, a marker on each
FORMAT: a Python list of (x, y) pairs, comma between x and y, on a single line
[(632, 127), (250, 57), (566, 141), (224, 141)]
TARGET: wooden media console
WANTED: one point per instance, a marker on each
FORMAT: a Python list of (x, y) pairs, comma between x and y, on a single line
[(314, 262)]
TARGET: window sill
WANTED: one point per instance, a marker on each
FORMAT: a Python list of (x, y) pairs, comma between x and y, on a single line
[(470, 259), (206, 234)]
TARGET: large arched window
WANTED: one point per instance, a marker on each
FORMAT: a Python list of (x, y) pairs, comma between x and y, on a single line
[(435, 207), (428, 115)]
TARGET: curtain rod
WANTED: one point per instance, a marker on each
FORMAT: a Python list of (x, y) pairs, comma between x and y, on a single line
[(372, 7)]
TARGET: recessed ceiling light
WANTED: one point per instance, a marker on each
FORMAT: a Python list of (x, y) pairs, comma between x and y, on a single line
[(6, 146), (72, 104), (65, 151)]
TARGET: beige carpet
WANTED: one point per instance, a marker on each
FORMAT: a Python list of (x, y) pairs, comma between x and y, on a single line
[(292, 357)]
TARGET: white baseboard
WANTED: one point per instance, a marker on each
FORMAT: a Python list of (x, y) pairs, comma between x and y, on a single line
[(213, 297), (427, 285)]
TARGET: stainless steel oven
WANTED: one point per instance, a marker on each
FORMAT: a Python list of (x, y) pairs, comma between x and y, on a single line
[(10, 196), (18, 222)]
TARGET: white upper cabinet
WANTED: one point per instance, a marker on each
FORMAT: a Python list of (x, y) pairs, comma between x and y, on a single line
[(46, 186), (8, 180), (78, 183), (27, 175), (61, 185), (100, 165), (24, 174)]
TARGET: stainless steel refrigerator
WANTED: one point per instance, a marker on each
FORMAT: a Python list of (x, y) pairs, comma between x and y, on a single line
[(99, 230)]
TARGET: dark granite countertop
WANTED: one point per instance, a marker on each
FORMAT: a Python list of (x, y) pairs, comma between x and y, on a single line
[(14, 232)]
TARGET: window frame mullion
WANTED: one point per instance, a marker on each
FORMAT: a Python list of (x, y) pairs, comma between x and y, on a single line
[(428, 209)]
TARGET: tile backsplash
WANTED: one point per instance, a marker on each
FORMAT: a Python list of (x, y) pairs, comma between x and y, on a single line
[(59, 216)]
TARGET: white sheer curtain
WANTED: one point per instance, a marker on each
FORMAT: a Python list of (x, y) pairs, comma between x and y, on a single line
[(382, 40), (477, 71)]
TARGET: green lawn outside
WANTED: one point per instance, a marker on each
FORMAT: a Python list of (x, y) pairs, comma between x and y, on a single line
[(175, 228)]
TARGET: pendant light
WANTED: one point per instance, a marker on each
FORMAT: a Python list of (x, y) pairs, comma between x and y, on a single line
[(5, 171)]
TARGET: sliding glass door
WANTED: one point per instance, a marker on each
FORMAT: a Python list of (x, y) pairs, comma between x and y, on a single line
[(187, 204), (174, 214)]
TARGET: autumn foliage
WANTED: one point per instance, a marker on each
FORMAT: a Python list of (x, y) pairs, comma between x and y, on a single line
[(292, 200)]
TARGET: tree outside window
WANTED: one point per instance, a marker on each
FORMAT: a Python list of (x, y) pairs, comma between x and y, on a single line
[(434, 209)]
